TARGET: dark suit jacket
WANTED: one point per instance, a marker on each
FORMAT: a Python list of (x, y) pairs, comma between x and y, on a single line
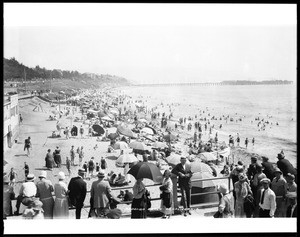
[(286, 167), (268, 169), (77, 188), (183, 181)]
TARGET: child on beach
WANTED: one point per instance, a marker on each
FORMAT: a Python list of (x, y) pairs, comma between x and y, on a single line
[(12, 177), (26, 168)]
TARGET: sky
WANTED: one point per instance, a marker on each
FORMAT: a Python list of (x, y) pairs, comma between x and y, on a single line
[(156, 43)]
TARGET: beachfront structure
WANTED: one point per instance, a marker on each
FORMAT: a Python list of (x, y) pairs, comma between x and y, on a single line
[(11, 121)]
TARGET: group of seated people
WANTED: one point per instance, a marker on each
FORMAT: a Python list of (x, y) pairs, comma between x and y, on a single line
[(116, 180)]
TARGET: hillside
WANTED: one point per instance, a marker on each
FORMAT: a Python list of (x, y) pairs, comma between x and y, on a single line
[(14, 74)]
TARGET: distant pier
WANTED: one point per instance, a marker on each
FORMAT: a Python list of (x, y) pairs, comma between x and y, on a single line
[(216, 84)]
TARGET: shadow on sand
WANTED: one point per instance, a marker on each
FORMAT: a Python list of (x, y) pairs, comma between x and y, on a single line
[(20, 155), (112, 157), (43, 168)]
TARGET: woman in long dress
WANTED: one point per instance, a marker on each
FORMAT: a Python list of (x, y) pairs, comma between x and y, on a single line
[(242, 189), (138, 206), (61, 205), (167, 204)]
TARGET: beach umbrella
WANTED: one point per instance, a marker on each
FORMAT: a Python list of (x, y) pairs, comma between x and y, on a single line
[(120, 145), (125, 131), (138, 146), (203, 184), (5, 162), (159, 145), (126, 158), (146, 170), (112, 136), (154, 131), (147, 130), (170, 137), (198, 166), (207, 156), (149, 137), (98, 129), (174, 159)]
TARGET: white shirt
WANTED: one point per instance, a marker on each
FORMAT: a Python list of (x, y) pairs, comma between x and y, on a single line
[(269, 202), (28, 189)]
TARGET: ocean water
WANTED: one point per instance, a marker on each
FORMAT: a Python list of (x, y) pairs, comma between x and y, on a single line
[(273, 103)]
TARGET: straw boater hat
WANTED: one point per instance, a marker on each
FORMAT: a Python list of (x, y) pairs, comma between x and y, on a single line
[(43, 174), (277, 170), (81, 171), (223, 188), (265, 158), (30, 177), (265, 180), (61, 175), (101, 174), (239, 168)]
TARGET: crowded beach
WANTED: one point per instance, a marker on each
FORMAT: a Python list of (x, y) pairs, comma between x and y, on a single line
[(103, 154)]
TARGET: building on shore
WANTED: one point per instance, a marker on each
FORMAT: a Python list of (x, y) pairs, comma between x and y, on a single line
[(11, 121)]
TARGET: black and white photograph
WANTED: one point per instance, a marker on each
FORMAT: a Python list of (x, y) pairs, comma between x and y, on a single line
[(170, 117)]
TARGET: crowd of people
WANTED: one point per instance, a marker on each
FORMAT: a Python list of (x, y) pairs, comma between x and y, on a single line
[(260, 190)]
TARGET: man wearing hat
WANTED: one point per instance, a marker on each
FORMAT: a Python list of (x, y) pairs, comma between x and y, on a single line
[(184, 173), (101, 194), (268, 168), (267, 203), (27, 192), (8, 195), (285, 166), (77, 188), (252, 168), (279, 186), (45, 191)]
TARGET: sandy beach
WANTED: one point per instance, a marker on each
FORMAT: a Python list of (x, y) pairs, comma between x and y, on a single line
[(37, 125)]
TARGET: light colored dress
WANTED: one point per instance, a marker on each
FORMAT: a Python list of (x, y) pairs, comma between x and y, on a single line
[(167, 182), (61, 206), (241, 190)]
